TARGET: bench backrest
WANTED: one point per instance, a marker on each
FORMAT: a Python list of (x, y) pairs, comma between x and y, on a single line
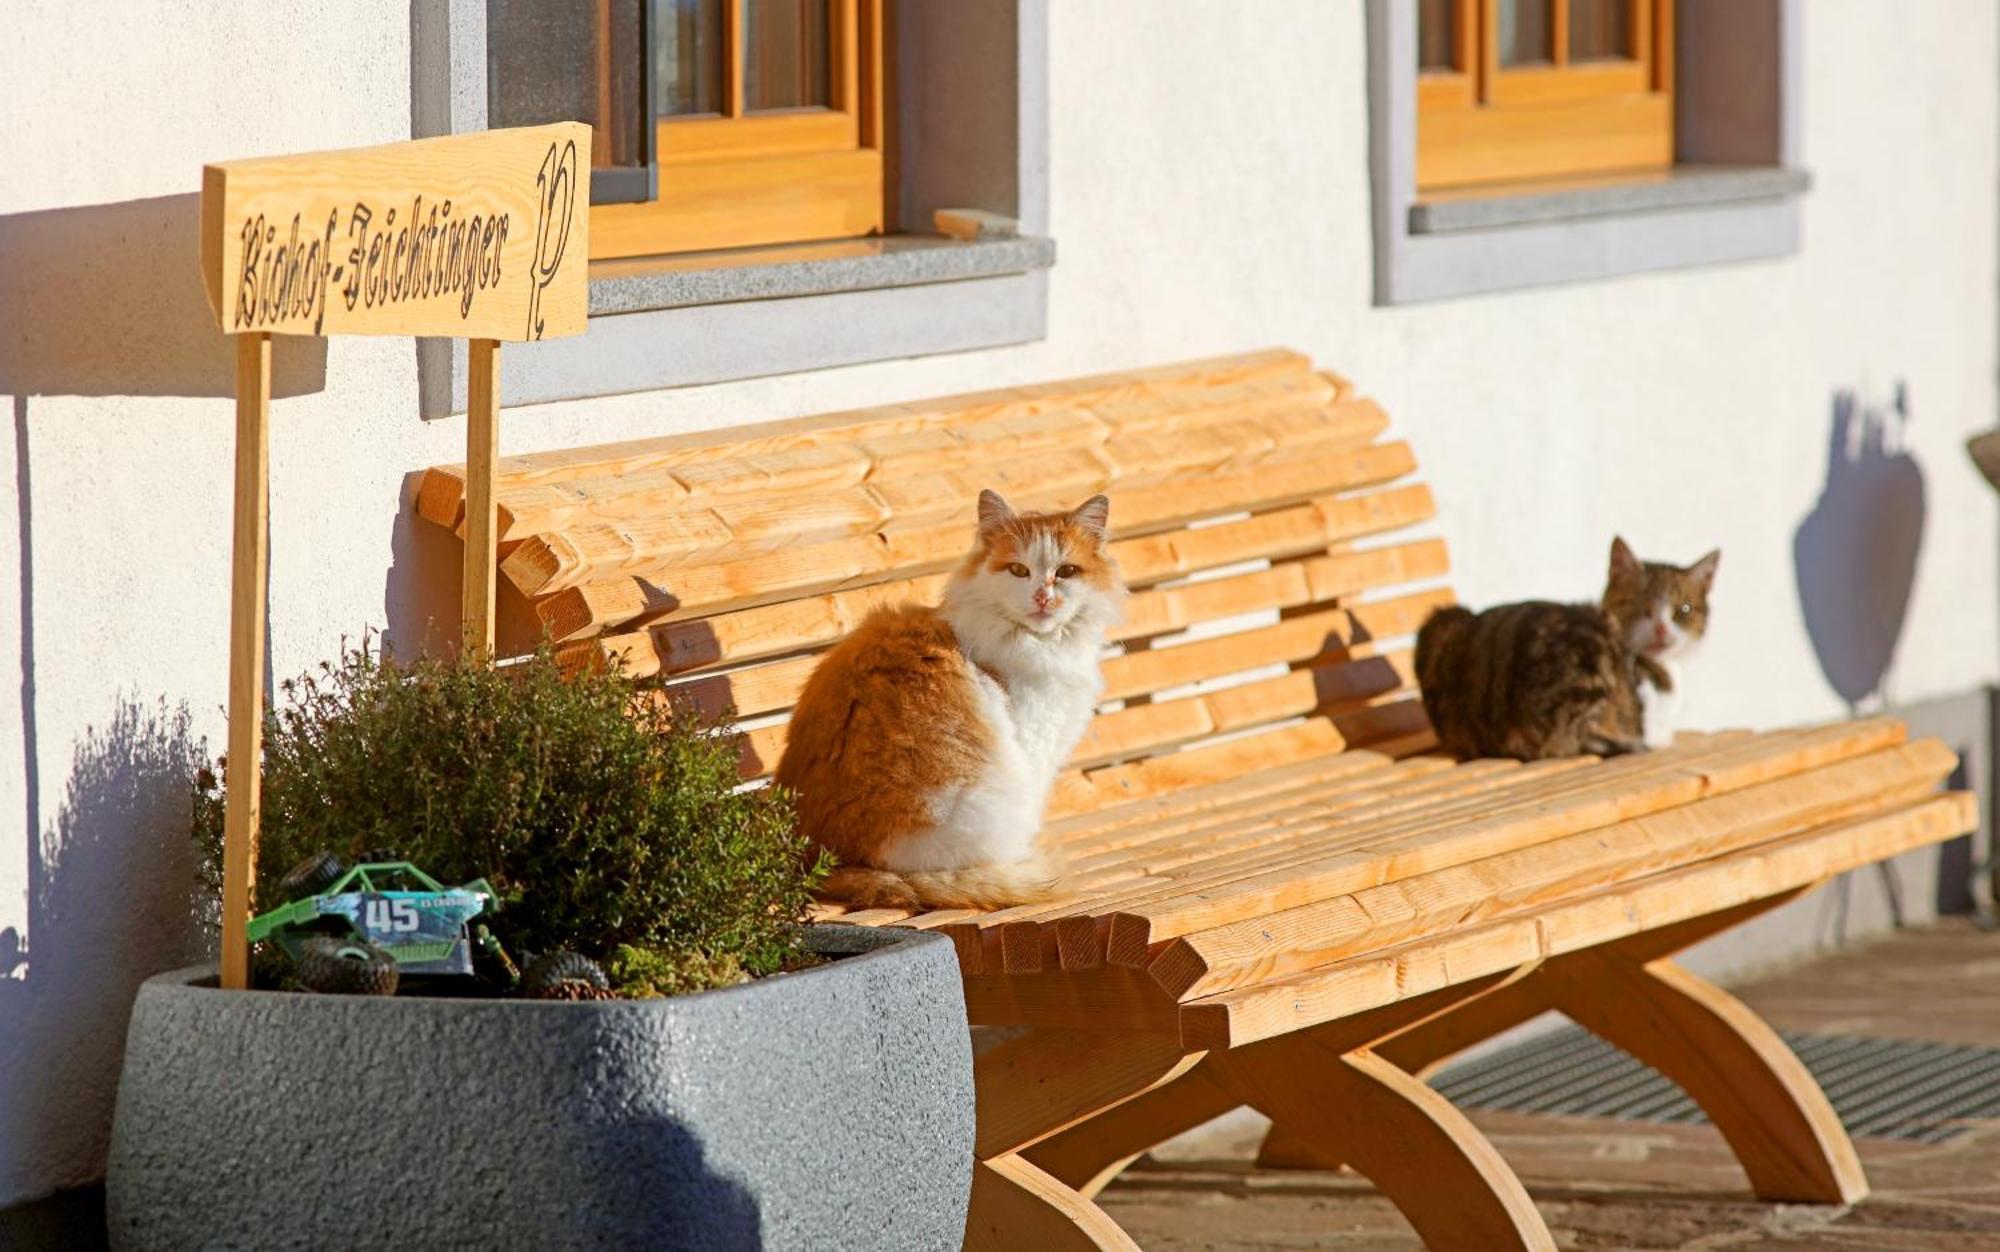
[(1239, 489)]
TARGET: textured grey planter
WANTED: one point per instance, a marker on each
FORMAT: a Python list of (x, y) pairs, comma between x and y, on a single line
[(824, 1110)]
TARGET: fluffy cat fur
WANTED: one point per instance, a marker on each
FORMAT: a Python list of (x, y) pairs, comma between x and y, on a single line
[(1538, 679), (923, 748), (1663, 612)]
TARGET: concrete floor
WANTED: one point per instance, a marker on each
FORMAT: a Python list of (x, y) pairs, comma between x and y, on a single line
[(1614, 1185)]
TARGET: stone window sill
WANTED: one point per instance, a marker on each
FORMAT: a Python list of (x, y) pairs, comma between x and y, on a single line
[(646, 283), (1684, 187)]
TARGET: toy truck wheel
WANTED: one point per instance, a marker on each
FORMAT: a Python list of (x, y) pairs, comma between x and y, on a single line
[(345, 967), (552, 969), (311, 876)]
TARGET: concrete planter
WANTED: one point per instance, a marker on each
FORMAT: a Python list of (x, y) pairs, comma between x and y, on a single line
[(827, 1109)]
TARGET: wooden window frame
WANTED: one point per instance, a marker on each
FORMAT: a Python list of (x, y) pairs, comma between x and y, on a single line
[(781, 176), (1483, 123)]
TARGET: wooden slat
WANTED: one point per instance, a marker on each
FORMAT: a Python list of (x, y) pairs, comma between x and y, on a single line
[(559, 559), (668, 595), (1235, 845), (1255, 886), (1096, 790), (1285, 942), (1386, 797), (1190, 384), (1235, 1018), (915, 474)]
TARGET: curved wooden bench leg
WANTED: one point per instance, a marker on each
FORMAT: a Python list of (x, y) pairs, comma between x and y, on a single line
[(1422, 1153), (1285, 1148), (1032, 1088), (1091, 1154), (1443, 1017), (1727, 1059), (1016, 1206)]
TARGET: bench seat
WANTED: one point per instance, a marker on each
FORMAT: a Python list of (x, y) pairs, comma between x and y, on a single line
[(1281, 895)]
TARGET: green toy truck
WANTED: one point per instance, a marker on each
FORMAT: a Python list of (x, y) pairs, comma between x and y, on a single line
[(358, 929)]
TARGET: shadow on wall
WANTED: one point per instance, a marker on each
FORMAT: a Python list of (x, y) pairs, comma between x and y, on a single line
[(113, 899), (1855, 554), (420, 595), (107, 300)]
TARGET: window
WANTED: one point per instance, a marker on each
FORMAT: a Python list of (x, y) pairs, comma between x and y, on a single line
[(1514, 143), (849, 269), (719, 123), (1514, 90)]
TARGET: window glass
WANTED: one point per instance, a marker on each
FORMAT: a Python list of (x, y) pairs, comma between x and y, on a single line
[(1524, 32), (785, 54), (570, 60), (1437, 31), (1600, 30), (688, 57)]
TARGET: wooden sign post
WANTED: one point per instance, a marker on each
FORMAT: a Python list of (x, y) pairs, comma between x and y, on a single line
[(483, 237)]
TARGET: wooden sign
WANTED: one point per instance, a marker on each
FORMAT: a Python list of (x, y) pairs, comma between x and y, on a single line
[(481, 236), (478, 237)]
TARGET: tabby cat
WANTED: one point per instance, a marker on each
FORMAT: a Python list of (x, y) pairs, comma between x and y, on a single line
[(1539, 679), (924, 745)]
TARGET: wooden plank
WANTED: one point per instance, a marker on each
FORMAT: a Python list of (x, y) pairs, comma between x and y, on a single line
[(554, 560), (747, 692), (1289, 778), (1389, 826), (1186, 383), (671, 593), (1103, 788), (1286, 942), (793, 625), (249, 558), (1113, 885), (744, 583), (492, 243), (1315, 876), (1141, 729), (771, 630), (482, 448), (1282, 1005), (1296, 639)]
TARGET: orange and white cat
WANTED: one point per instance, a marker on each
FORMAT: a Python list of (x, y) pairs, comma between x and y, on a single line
[(923, 748)]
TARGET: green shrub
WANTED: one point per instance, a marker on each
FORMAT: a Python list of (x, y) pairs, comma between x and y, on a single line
[(605, 816)]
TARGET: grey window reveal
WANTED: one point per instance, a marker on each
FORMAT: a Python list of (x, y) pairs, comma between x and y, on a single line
[(1732, 195)]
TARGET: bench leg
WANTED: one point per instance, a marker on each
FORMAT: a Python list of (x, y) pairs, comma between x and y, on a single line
[(1016, 1206), (1031, 1089), (1087, 1156), (1758, 1095), (1732, 1064), (1408, 1140)]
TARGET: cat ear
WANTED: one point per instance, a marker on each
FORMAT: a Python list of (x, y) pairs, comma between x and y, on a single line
[(1093, 515), (993, 511), (1704, 569), (1624, 563)]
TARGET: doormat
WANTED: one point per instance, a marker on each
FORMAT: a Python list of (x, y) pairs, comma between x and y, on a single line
[(1881, 1088)]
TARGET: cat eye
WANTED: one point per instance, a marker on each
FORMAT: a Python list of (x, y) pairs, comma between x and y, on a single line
[(1066, 571), (1018, 570), (1684, 612)]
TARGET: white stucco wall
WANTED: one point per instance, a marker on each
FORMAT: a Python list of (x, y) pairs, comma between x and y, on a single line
[(1209, 194)]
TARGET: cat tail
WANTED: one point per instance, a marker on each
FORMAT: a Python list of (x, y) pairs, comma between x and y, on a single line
[(981, 887)]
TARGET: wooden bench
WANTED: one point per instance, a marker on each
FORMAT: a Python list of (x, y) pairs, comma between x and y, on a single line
[(1286, 903)]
